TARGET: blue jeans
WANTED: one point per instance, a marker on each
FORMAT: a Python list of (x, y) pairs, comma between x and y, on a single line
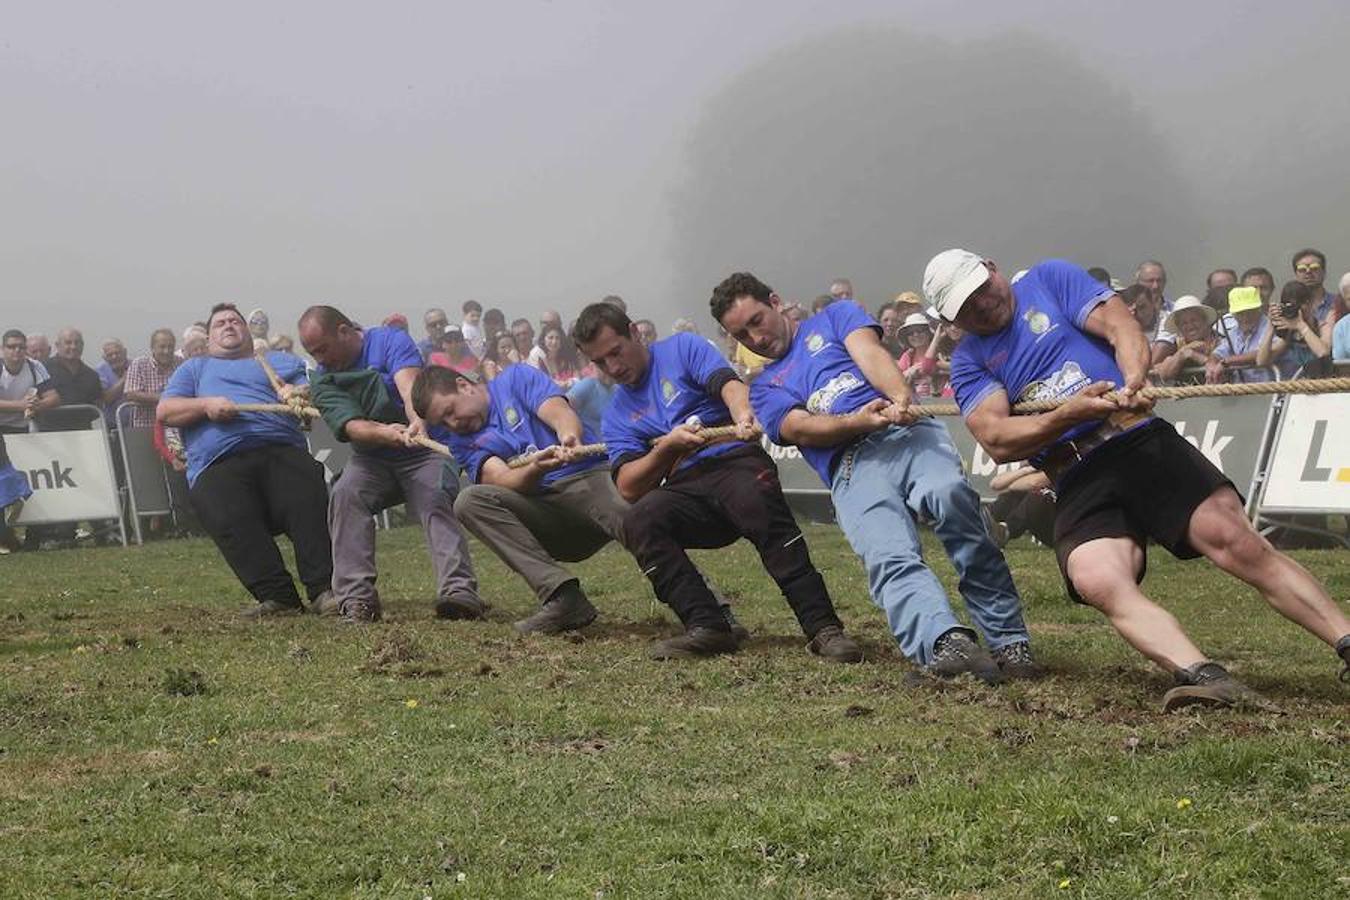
[(882, 483)]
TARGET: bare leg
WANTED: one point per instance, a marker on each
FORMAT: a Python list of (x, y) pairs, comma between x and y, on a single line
[(1103, 573), (1219, 529)]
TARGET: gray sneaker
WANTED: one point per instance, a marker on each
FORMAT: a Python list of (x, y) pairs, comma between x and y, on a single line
[(1209, 684), (831, 643), (271, 608), (1015, 661), (566, 610), (956, 653)]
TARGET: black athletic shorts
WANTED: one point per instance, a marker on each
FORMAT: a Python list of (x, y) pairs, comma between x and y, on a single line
[(1144, 484)]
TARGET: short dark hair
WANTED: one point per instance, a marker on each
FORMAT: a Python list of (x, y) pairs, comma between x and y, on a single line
[(732, 288), (1295, 292), (430, 382), (1309, 251), (1261, 271), (889, 304), (1133, 292), (15, 333), (158, 331), (327, 317), (1210, 277), (223, 307), (1100, 274), (597, 316), (522, 321), (615, 300), (471, 306)]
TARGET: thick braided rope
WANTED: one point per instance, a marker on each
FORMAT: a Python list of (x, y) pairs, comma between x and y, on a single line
[(300, 411), (1183, 392), (712, 435)]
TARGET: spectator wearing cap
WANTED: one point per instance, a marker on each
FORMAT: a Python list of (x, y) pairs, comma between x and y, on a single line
[(1193, 324), (1234, 356), (1340, 340), (1122, 476), (258, 325), (917, 364), (1293, 343), (435, 322), (454, 353), (396, 320)]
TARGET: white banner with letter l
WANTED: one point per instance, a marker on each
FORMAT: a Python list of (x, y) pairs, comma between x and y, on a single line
[(1310, 466), (70, 473)]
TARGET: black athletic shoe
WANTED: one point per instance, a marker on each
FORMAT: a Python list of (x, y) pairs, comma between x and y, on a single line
[(956, 653), (566, 610), (697, 641), (271, 608), (742, 633), (1015, 661), (831, 643), (1209, 684), (460, 606), (1343, 651)]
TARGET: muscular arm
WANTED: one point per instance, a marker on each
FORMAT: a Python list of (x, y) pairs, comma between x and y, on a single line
[(179, 412), (1113, 322), (557, 413), (810, 430), (374, 434), (522, 480), (877, 366), (637, 478), (403, 380)]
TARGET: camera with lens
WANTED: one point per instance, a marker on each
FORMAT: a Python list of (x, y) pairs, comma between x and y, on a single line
[(1289, 308)]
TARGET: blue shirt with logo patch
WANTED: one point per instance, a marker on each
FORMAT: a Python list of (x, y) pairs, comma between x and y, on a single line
[(673, 390), (243, 381), (1044, 353), (817, 374), (513, 426)]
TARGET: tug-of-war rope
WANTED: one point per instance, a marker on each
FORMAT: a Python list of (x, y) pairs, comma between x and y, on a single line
[(1186, 392)]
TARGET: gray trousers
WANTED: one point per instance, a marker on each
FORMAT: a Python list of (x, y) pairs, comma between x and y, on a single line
[(569, 520), (426, 483)]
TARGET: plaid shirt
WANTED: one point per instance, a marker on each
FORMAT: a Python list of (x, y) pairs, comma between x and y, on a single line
[(145, 375)]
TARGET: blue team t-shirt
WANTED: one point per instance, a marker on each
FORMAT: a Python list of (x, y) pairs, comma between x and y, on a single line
[(243, 381), (816, 374), (589, 397), (386, 350), (673, 391), (513, 426), (1044, 353)]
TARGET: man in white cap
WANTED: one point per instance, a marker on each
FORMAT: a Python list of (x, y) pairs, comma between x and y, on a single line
[(833, 390), (1122, 475)]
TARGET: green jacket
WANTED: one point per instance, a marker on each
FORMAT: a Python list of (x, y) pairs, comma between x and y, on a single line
[(343, 396)]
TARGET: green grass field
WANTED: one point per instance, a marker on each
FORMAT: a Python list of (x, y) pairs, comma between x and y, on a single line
[(152, 744)]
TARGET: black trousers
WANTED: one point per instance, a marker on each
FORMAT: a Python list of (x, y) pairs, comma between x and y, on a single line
[(712, 504), (248, 496)]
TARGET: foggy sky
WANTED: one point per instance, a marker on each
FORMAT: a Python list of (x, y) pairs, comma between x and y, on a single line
[(159, 158)]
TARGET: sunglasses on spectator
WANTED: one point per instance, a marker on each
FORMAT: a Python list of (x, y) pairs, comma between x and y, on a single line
[(1308, 267)]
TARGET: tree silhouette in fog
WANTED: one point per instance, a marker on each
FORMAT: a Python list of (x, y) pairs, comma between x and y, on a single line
[(863, 152)]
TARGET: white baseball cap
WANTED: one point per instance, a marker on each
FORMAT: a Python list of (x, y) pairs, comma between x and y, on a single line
[(951, 277), (915, 320)]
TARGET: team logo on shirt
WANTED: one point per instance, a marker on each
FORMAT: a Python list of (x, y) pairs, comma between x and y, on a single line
[(512, 417), (668, 391), (822, 400), (1037, 321), (1066, 382), (815, 343)]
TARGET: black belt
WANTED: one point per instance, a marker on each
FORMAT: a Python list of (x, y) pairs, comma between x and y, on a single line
[(1067, 454)]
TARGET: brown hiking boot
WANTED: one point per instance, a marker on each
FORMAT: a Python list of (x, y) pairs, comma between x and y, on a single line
[(271, 608), (831, 643), (361, 612), (566, 610), (1209, 684), (460, 606), (1015, 661), (697, 641)]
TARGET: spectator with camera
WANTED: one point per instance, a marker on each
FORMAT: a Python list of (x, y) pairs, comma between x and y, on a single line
[(1293, 343)]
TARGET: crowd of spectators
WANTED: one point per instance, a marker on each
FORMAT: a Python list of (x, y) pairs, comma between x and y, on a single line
[(1239, 328)]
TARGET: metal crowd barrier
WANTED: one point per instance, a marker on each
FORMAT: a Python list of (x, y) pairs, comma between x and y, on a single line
[(147, 482)]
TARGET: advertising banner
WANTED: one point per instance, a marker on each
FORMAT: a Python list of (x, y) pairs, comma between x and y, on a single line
[(1310, 465), (70, 473)]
